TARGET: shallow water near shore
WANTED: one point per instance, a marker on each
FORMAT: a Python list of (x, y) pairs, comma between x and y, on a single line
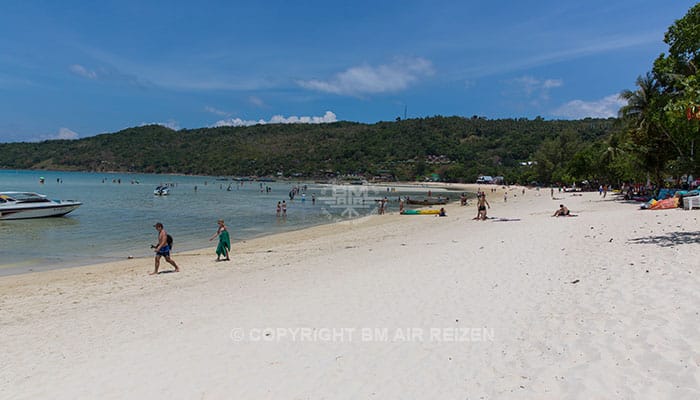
[(119, 210)]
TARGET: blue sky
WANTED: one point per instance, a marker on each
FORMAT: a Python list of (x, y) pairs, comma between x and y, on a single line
[(72, 69)]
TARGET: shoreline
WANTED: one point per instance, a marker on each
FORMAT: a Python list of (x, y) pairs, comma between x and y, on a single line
[(21, 267), (244, 244)]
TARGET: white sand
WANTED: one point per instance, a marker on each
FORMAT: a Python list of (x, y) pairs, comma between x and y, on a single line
[(387, 307)]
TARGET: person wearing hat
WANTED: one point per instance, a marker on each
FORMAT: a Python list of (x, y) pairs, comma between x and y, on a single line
[(162, 249)]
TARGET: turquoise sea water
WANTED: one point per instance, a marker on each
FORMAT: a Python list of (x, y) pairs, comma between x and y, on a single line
[(116, 219)]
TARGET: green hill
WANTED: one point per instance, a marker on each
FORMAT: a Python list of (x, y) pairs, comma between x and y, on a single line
[(456, 148)]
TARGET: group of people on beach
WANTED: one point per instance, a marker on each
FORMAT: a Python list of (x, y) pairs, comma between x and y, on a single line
[(164, 246)]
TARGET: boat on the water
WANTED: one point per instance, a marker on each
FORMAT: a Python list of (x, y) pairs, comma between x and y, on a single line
[(22, 205), (431, 201), (161, 191)]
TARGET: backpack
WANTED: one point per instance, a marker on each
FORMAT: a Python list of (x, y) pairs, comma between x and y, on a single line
[(169, 240)]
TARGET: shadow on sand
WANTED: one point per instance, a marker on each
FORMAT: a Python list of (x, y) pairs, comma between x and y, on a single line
[(168, 271), (670, 239)]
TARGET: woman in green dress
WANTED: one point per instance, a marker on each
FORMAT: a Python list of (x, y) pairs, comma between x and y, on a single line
[(224, 241)]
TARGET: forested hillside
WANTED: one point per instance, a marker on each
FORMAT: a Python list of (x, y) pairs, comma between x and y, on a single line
[(455, 148)]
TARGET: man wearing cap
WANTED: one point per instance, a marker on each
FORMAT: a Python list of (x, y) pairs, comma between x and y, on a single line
[(163, 248)]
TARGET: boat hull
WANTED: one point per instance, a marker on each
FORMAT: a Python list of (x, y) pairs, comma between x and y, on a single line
[(434, 202), (26, 212)]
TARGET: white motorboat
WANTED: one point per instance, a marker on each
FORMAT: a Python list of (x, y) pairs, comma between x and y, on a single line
[(21, 205), (161, 191)]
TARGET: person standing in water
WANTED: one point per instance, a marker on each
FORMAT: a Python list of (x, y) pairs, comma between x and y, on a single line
[(224, 246)]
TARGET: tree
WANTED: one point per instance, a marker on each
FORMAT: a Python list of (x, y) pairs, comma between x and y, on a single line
[(644, 117), (554, 157), (679, 74), (663, 113)]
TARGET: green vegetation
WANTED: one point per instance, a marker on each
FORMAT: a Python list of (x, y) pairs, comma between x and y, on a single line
[(457, 149), (662, 117)]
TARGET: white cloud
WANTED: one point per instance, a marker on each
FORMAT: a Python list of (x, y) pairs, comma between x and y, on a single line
[(109, 74), (328, 117), (216, 111), (82, 71), (552, 83), (604, 108), (530, 86), (590, 47), (367, 79), (256, 101), (65, 133), (170, 124)]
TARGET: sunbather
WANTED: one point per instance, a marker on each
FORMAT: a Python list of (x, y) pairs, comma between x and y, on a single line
[(562, 211)]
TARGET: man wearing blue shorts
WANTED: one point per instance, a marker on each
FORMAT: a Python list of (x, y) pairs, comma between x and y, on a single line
[(162, 249)]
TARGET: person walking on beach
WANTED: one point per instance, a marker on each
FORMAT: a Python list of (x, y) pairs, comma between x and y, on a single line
[(224, 246), (162, 249)]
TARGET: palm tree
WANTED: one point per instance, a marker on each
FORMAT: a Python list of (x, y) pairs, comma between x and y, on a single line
[(639, 108), (614, 148), (643, 115)]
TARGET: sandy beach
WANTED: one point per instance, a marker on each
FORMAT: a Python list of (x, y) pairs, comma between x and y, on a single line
[(524, 306)]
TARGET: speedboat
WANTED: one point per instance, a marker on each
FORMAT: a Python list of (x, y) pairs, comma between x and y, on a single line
[(21, 205), (161, 191)]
